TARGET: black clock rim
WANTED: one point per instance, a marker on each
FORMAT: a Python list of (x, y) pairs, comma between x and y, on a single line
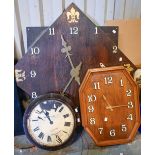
[(33, 104)]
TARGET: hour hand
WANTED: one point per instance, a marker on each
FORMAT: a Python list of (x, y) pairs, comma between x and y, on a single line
[(109, 106)]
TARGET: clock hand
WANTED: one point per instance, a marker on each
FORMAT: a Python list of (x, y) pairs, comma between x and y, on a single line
[(75, 71), (117, 106), (40, 117), (69, 82), (47, 115), (110, 107)]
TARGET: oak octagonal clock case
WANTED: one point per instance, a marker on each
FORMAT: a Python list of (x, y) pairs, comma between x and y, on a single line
[(57, 60), (109, 102)]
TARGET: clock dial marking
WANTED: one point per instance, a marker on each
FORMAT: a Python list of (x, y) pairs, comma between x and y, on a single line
[(105, 119), (61, 109), (58, 139), (36, 129), (66, 115), (41, 135), (49, 139), (35, 50), (91, 98), (67, 124)]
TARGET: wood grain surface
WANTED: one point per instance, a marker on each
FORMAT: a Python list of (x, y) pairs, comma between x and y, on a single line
[(53, 69), (110, 112)]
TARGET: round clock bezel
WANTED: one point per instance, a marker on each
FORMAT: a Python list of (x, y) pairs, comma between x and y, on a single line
[(52, 96)]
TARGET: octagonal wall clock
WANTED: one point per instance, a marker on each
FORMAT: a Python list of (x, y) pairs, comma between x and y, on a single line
[(59, 57), (109, 102)]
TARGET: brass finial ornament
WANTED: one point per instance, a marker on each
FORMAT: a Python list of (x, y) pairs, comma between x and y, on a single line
[(73, 16)]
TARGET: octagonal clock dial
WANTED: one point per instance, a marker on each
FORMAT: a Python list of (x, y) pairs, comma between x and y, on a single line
[(109, 102), (50, 121)]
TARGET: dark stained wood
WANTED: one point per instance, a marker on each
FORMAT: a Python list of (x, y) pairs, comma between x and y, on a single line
[(53, 69), (114, 95), (34, 32)]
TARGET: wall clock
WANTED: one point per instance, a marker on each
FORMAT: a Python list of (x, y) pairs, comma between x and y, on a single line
[(57, 60), (45, 68), (50, 122), (109, 102)]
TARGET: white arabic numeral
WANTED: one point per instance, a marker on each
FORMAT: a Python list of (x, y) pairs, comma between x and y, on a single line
[(130, 104), (130, 117), (108, 80), (121, 83), (34, 95), (90, 108), (74, 30), (91, 98), (51, 31), (112, 133), (33, 74), (128, 92), (96, 85), (124, 128), (35, 50), (114, 49), (100, 131), (92, 121), (96, 30)]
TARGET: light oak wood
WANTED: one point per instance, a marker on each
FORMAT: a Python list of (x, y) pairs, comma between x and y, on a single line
[(113, 96)]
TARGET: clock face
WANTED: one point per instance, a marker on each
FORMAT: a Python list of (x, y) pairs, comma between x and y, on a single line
[(110, 106), (57, 60), (49, 123)]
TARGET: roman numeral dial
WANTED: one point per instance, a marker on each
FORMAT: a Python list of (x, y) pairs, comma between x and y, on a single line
[(51, 121)]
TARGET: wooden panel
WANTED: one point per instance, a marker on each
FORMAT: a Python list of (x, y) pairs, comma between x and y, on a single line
[(34, 11), (47, 12), (24, 18), (18, 51), (90, 10), (119, 9), (80, 4), (110, 9), (136, 11), (128, 8), (68, 2), (100, 11), (56, 9)]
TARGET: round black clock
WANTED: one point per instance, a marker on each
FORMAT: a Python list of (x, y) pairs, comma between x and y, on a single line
[(50, 121)]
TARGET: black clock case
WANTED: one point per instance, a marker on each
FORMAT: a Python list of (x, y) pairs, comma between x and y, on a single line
[(33, 103)]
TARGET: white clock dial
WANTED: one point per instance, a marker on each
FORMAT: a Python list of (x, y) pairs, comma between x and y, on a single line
[(51, 123)]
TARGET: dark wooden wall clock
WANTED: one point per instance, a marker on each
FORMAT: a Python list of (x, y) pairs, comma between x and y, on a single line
[(109, 102), (57, 60), (72, 44)]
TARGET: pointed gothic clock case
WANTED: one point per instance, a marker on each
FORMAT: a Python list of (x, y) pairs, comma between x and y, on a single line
[(59, 57)]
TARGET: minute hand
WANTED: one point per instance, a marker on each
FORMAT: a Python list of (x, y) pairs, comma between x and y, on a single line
[(75, 71)]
